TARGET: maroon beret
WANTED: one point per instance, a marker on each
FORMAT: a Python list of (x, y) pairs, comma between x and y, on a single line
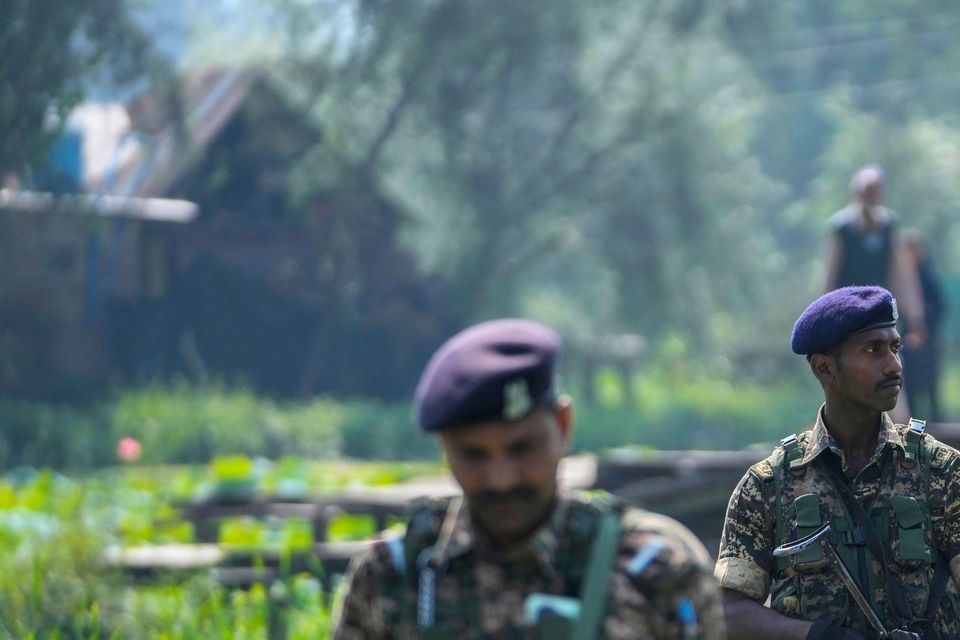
[(496, 370)]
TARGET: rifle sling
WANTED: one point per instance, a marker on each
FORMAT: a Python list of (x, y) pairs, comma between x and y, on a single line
[(593, 592), (898, 602)]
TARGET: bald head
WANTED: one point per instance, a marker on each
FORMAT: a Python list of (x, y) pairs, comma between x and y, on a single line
[(867, 185)]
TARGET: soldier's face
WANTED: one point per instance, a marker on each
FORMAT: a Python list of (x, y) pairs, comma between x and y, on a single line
[(508, 470), (868, 369)]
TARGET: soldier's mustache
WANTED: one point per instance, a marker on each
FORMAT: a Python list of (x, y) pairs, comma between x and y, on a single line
[(491, 498), (889, 381)]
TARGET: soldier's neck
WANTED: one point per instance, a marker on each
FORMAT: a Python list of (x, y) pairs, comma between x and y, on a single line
[(855, 431)]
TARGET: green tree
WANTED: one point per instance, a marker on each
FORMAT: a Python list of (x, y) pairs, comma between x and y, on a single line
[(537, 149), (896, 60), (50, 54), (841, 85)]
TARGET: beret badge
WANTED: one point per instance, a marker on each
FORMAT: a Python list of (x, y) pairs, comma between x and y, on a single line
[(517, 401), (495, 370)]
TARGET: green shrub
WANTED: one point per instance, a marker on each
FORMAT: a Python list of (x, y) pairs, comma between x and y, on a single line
[(688, 413), (375, 431), (53, 435), (670, 408), (187, 424)]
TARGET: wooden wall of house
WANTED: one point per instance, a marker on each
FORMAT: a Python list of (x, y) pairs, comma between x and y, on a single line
[(58, 273)]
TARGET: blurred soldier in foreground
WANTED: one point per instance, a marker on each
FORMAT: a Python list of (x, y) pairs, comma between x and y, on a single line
[(891, 494), (514, 557)]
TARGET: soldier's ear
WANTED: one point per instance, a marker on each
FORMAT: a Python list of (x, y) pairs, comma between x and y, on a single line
[(564, 416), (824, 367)]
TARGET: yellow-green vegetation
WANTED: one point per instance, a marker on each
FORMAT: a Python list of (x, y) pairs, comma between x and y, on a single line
[(57, 583), (190, 424)]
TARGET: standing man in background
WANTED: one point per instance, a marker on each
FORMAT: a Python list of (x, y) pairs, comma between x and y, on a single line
[(514, 557), (866, 248), (890, 493)]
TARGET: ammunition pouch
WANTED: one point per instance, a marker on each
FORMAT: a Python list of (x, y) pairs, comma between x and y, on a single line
[(907, 537)]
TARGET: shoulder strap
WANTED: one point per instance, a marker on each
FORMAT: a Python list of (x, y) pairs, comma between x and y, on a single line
[(914, 437), (593, 593), (412, 559), (792, 451)]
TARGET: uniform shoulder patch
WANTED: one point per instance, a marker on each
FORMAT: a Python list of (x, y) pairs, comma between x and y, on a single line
[(763, 469), (940, 453), (658, 550), (766, 467)]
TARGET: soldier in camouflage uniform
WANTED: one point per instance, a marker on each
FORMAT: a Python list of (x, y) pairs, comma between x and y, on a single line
[(907, 483), (514, 557)]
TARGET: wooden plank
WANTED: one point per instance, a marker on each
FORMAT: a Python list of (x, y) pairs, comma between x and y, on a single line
[(175, 557), (111, 206), (623, 468), (192, 557)]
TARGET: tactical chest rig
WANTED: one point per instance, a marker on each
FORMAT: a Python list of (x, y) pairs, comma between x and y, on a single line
[(585, 557), (888, 545)]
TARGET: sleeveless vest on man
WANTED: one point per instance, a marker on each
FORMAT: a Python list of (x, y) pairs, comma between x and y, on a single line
[(805, 586), (867, 255)]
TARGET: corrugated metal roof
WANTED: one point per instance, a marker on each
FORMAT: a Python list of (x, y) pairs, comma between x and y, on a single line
[(142, 156), (132, 153)]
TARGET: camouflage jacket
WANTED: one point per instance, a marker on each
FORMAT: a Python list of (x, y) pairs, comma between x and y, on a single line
[(660, 585), (913, 506)]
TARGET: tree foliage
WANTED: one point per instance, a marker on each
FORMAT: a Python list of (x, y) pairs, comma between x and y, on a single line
[(50, 55), (845, 84), (582, 162)]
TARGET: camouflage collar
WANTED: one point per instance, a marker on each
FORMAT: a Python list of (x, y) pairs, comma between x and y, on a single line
[(458, 536), (820, 439)]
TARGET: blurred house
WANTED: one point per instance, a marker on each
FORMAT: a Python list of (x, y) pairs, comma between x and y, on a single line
[(160, 241), (94, 253)]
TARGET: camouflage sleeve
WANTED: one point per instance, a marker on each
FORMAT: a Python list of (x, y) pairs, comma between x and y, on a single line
[(746, 545), (945, 505), (663, 587), (358, 612)]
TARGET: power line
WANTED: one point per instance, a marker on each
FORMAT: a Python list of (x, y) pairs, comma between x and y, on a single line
[(841, 31), (886, 86), (771, 57)]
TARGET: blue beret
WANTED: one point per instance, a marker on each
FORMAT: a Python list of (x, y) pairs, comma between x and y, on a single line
[(838, 314), (496, 370)]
